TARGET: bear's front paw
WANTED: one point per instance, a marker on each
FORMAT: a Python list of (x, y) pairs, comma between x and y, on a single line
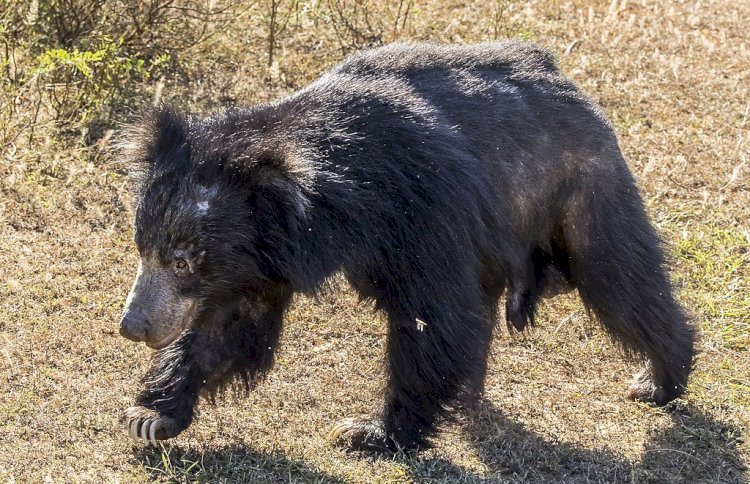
[(147, 425), (362, 434)]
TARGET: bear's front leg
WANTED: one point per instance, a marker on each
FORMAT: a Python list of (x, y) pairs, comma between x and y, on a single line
[(238, 340), (165, 406), (432, 364)]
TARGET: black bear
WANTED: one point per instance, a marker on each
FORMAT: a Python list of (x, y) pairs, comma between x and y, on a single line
[(435, 178)]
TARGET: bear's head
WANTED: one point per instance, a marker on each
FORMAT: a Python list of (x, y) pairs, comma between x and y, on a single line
[(218, 207)]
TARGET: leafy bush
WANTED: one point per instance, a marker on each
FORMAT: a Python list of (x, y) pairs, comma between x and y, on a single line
[(78, 63)]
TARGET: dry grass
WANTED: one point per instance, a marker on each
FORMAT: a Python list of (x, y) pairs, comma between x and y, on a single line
[(673, 77)]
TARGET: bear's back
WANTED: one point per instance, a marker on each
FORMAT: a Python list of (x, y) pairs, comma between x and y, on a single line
[(407, 59)]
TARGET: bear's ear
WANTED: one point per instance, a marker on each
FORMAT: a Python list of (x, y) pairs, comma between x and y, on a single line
[(283, 174), (151, 139)]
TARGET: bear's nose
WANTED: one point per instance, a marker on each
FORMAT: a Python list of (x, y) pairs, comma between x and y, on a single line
[(134, 326)]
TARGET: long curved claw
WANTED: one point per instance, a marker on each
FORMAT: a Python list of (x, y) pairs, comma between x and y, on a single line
[(152, 434), (145, 425), (133, 430)]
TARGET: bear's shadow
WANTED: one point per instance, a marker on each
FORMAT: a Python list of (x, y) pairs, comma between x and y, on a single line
[(695, 448), (229, 463)]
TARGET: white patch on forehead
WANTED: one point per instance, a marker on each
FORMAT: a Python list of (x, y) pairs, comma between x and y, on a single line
[(203, 196)]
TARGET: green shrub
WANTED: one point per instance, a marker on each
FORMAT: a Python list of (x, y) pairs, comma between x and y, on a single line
[(78, 64)]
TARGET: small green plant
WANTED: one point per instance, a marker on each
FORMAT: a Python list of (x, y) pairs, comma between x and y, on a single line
[(78, 63), (81, 82)]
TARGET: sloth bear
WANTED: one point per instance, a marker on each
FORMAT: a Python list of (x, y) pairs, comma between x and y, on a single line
[(435, 178)]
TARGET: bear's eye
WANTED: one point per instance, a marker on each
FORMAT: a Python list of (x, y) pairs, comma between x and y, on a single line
[(180, 264)]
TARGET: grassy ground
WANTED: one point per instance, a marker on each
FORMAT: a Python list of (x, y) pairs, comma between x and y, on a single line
[(674, 78)]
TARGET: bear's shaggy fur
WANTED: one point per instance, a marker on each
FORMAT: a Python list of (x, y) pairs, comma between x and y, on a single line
[(435, 178)]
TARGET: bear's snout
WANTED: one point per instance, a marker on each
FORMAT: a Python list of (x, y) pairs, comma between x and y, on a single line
[(134, 325)]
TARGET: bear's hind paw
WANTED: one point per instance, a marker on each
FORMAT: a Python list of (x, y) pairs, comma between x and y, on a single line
[(363, 434), (643, 389)]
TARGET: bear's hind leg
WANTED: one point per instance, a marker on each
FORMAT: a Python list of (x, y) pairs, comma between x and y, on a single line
[(619, 269)]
